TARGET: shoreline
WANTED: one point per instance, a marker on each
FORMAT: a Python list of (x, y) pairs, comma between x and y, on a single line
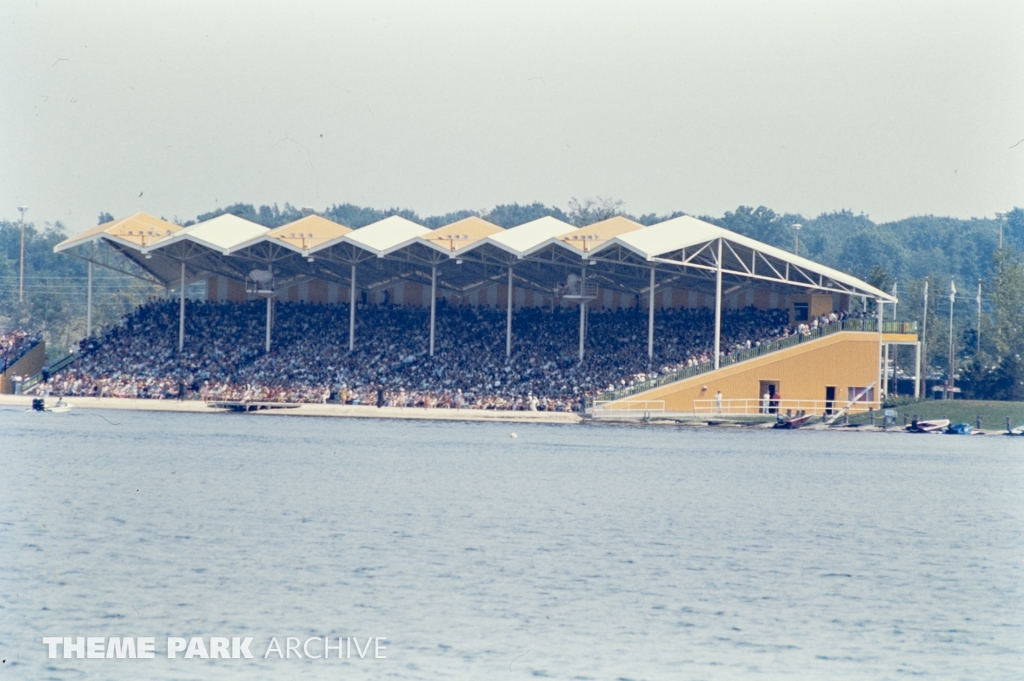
[(435, 414), (309, 410)]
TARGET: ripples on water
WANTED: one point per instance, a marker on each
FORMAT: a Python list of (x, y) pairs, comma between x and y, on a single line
[(570, 552)]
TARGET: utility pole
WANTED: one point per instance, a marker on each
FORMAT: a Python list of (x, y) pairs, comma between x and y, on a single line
[(21, 277)]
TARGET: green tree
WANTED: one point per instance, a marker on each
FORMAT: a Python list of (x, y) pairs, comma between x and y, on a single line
[(1007, 285), (513, 214), (589, 211)]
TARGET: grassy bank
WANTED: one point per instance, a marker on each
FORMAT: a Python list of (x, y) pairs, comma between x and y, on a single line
[(993, 413)]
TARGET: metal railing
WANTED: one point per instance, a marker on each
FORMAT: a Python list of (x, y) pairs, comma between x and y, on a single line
[(899, 327), (870, 325), (33, 381), (581, 291), (754, 406), (629, 408)]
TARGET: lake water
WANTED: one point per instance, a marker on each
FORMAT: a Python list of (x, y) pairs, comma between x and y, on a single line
[(569, 552)]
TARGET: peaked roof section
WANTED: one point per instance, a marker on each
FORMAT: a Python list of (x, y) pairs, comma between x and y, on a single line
[(135, 231), (383, 236), (590, 237), (309, 232), (524, 238), (459, 235), (217, 234), (300, 235), (685, 232)]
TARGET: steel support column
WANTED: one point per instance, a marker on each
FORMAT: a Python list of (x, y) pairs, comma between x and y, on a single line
[(88, 297), (181, 311), (433, 306), (352, 310), (881, 349), (718, 307), (583, 310), (270, 302), (508, 318), (650, 323)]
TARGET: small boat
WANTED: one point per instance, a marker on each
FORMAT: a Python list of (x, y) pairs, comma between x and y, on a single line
[(790, 422), (933, 426), (960, 429), (61, 407), (1019, 430)]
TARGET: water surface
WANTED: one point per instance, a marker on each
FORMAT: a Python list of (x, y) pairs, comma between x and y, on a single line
[(569, 552)]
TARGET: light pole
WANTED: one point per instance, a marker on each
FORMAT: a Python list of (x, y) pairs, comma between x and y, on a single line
[(796, 238), (952, 365), (895, 348), (21, 276), (924, 343)]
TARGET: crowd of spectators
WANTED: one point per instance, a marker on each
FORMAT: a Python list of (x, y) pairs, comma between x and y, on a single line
[(224, 358), (139, 357), (14, 344)]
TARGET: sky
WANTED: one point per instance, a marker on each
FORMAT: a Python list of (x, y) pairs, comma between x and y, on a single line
[(888, 108)]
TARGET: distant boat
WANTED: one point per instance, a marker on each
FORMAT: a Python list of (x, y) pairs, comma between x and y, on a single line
[(61, 407), (960, 429), (933, 426), (1019, 430), (790, 422)]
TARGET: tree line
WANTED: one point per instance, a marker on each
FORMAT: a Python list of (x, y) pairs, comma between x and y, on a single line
[(903, 253)]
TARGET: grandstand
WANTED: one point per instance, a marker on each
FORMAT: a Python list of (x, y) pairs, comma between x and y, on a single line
[(615, 316)]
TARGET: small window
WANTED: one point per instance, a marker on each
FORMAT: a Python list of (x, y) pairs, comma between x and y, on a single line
[(860, 394), (801, 312)]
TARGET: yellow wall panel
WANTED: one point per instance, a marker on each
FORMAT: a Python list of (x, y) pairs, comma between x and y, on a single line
[(843, 360)]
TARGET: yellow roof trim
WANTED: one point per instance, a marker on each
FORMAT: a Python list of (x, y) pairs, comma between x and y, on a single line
[(139, 229), (463, 233), (308, 232), (586, 238)]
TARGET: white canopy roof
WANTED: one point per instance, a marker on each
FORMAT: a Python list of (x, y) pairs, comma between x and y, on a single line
[(218, 234), (621, 252), (522, 239), (657, 242), (382, 236)]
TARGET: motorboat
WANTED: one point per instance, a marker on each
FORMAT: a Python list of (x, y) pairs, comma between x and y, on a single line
[(960, 429), (933, 426), (1019, 430), (61, 407)]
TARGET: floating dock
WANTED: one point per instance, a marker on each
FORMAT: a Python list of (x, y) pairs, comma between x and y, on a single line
[(232, 405)]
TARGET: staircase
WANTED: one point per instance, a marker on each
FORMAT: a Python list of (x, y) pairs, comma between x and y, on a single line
[(33, 381), (869, 325)]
